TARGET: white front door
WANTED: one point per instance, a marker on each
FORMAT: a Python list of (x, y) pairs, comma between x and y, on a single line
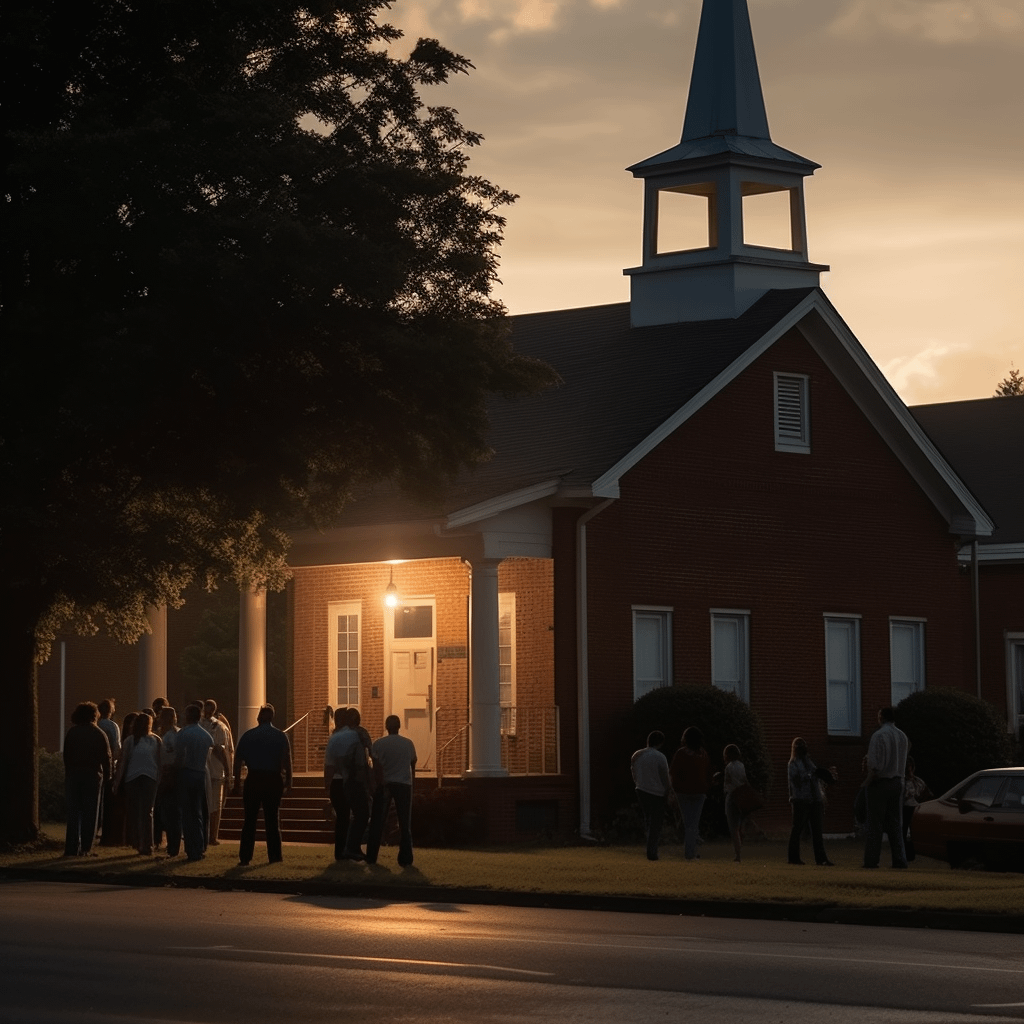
[(411, 664)]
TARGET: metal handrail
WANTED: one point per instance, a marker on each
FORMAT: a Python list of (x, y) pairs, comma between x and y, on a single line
[(306, 744), (441, 750)]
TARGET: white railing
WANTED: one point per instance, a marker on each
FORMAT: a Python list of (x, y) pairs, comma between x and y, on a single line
[(529, 740)]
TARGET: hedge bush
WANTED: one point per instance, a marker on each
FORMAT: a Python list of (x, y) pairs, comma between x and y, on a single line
[(52, 802), (952, 735), (720, 716)]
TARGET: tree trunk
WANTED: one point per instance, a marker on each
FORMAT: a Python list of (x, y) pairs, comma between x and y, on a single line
[(19, 767)]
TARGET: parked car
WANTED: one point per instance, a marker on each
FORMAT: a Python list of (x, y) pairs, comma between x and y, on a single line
[(981, 818)]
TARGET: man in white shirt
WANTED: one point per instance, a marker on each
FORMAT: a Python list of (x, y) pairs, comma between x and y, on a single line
[(886, 763), (220, 767), (650, 776), (394, 758)]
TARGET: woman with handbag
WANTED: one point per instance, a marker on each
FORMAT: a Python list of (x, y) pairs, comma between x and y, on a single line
[(741, 799), (805, 798)]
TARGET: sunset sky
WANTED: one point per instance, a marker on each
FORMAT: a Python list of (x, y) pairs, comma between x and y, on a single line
[(913, 108)]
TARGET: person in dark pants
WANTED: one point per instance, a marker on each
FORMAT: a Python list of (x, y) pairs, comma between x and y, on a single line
[(192, 746), (653, 788), (394, 757), (886, 764), (86, 769), (806, 801), (267, 755)]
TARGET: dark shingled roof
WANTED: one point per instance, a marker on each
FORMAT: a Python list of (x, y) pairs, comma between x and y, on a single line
[(619, 384), (983, 440)]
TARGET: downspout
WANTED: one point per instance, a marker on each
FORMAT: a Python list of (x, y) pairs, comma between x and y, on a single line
[(976, 595), (583, 670)]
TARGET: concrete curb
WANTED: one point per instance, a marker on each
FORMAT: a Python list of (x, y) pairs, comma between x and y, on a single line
[(805, 913)]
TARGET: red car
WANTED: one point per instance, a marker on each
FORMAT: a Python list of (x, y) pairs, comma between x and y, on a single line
[(980, 819)]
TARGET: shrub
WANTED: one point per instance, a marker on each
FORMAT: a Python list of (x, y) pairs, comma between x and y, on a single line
[(722, 717), (952, 734), (52, 803)]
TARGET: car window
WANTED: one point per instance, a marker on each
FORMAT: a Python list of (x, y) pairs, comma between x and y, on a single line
[(1014, 795), (983, 791)]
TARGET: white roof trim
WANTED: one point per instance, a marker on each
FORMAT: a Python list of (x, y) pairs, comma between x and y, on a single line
[(501, 503), (607, 485), (984, 525), (994, 553)]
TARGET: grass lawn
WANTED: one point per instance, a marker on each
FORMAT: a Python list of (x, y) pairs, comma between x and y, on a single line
[(762, 877)]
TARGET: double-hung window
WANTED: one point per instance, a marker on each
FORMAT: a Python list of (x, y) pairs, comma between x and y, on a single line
[(652, 649), (842, 674), (730, 651), (906, 657)]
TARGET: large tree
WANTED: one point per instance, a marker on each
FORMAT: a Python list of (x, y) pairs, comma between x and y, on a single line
[(245, 269)]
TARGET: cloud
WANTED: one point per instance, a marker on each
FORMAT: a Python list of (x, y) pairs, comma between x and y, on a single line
[(921, 369), (936, 21)]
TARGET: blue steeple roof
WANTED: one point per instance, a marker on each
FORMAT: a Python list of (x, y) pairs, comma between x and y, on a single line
[(725, 110)]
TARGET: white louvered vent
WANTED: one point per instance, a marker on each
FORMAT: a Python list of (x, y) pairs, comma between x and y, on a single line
[(792, 419)]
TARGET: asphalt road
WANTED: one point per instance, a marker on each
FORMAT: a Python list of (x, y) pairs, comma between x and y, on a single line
[(80, 953)]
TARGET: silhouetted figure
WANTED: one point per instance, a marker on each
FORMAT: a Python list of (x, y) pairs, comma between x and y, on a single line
[(394, 758), (86, 767)]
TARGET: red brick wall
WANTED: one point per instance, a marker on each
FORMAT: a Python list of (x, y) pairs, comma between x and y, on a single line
[(716, 518), (1002, 611), (447, 581)]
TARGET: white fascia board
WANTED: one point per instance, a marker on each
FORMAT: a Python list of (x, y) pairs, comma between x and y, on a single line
[(983, 525), (502, 503), (994, 553), (607, 485)]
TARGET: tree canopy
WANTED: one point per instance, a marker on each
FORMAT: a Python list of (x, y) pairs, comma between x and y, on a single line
[(245, 269), (1011, 384)]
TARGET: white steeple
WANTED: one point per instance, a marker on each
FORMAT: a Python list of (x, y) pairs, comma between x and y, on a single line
[(703, 255)]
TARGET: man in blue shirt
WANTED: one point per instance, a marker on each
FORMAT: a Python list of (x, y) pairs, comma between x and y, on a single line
[(267, 754), (192, 748)]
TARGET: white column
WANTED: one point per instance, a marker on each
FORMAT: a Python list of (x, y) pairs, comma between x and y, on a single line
[(153, 657), (485, 698), (252, 657)]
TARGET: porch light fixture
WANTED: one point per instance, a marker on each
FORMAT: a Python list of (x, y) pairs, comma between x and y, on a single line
[(391, 592)]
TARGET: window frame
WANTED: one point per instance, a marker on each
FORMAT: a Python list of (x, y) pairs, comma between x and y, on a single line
[(335, 609), (741, 616), (917, 682), (507, 664), (663, 615), (853, 684)]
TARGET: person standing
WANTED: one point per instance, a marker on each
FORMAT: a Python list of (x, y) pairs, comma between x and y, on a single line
[(139, 772), (168, 805), (345, 778), (86, 768), (106, 708), (394, 757), (886, 764), (806, 802), (267, 754), (650, 776), (192, 746), (220, 766), (734, 776), (690, 772)]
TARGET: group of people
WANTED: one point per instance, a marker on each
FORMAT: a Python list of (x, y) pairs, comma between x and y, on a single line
[(363, 779), (147, 779), (891, 791)]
